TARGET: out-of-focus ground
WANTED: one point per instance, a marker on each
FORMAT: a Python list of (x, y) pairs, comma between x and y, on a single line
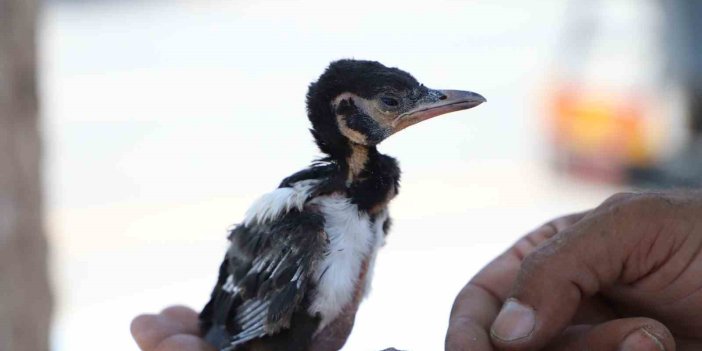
[(164, 120)]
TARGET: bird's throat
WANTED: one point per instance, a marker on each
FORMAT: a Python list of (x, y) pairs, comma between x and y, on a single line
[(356, 161), (372, 179)]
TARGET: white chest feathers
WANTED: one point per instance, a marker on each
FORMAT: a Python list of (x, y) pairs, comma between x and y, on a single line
[(353, 239)]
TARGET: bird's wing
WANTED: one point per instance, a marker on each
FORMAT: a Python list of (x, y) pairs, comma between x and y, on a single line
[(264, 277)]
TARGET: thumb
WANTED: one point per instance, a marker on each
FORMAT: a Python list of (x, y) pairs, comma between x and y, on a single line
[(573, 265)]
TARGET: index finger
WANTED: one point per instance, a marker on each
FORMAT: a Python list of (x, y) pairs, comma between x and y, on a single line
[(479, 302)]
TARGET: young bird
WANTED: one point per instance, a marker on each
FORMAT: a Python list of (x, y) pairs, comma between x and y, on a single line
[(302, 259)]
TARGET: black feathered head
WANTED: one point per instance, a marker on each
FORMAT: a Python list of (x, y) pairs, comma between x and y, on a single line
[(364, 102)]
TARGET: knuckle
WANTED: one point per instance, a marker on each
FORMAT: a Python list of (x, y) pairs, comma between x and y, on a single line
[(632, 204), (534, 261), (553, 260), (657, 199), (620, 201), (652, 200), (621, 197)]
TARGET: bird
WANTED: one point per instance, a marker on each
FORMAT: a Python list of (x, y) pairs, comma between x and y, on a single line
[(302, 259)]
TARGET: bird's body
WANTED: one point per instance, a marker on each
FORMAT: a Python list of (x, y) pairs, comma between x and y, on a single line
[(302, 259), (336, 230)]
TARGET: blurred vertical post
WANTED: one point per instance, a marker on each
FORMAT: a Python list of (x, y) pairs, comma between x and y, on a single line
[(25, 298)]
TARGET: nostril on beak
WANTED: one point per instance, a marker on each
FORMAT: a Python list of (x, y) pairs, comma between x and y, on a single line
[(442, 97)]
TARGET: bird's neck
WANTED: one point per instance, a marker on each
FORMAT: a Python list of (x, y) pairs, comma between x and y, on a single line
[(372, 179), (360, 157)]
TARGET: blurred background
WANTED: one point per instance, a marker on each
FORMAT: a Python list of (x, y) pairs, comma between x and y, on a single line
[(163, 120)]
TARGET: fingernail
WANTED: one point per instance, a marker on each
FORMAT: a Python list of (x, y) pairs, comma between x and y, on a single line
[(641, 339), (515, 321)]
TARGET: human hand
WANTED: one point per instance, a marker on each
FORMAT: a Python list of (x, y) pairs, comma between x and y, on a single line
[(174, 329), (628, 272)]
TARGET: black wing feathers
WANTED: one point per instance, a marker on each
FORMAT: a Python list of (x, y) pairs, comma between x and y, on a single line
[(331, 174), (322, 170), (267, 275)]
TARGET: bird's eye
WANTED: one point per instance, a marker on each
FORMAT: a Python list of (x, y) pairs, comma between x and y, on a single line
[(392, 102)]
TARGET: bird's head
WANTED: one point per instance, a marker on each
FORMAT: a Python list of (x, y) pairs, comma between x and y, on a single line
[(364, 102)]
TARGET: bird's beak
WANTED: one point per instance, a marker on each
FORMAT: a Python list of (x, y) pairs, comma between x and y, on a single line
[(438, 102)]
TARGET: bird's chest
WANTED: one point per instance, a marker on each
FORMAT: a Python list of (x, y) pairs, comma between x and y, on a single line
[(354, 239)]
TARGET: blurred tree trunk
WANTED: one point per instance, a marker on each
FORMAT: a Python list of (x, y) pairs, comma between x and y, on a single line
[(25, 299)]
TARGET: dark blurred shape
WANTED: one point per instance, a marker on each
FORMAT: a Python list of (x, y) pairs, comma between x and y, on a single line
[(684, 170), (696, 107), (25, 298), (683, 19)]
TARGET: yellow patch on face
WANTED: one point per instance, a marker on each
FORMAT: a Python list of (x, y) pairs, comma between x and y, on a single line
[(384, 119)]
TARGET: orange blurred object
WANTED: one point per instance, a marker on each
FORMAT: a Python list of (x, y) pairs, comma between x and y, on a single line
[(598, 135)]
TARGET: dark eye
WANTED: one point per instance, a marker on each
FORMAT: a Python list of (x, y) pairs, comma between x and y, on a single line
[(389, 101)]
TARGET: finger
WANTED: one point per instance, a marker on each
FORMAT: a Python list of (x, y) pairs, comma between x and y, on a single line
[(568, 268), (642, 334), (499, 275), (183, 342), (186, 316), (593, 310), (685, 344), (538, 236), (149, 330), (479, 301), (473, 311), (502, 272)]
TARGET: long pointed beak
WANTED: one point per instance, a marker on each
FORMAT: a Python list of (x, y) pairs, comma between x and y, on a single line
[(440, 102)]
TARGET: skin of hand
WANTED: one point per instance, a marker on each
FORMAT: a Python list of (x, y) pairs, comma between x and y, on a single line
[(626, 275), (176, 329)]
